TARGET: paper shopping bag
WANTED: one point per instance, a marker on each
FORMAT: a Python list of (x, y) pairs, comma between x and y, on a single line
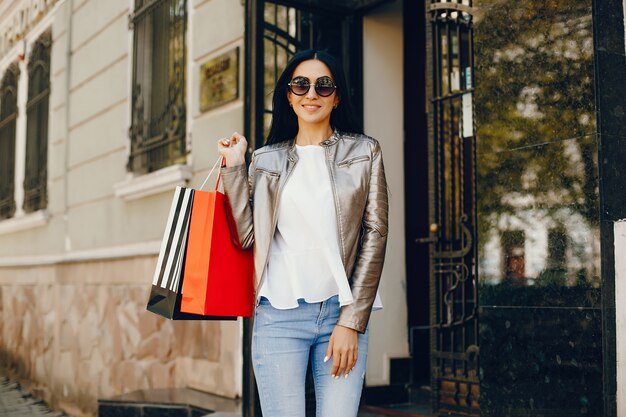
[(218, 275), (165, 294)]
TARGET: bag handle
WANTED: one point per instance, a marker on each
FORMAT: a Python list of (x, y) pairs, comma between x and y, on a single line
[(220, 161)]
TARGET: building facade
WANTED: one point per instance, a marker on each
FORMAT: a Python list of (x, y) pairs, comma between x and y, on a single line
[(501, 123)]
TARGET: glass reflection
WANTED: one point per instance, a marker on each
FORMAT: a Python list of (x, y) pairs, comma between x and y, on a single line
[(537, 171), (539, 215), (534, 70)]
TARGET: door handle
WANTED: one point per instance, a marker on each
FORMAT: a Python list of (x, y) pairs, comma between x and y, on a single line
[(433, 238)]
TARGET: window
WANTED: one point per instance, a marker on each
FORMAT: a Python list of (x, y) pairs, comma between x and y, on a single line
[(158, 98), (557, 248), (8, 116), (513, 242), (36, 168)]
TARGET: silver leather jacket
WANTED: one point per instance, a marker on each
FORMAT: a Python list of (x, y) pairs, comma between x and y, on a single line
[(355, 165)]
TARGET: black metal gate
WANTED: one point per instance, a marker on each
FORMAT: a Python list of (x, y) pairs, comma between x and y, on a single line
[(453, 292)]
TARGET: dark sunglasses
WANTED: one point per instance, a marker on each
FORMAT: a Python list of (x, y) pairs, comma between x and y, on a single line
[(324, 86)]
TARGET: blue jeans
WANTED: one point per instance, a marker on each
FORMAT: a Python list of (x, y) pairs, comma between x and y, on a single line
[(283, 341)]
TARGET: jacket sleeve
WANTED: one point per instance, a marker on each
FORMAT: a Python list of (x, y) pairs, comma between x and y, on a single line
[(238, 189), (369, 262)]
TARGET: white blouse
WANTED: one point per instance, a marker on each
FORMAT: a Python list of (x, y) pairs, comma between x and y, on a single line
[(304, 260)]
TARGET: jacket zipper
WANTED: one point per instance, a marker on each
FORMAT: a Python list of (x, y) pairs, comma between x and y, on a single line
[(268, 172), (334, 187), (353, 160)]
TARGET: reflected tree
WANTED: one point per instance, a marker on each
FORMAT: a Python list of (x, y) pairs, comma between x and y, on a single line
[(534, 107), (537, 161)]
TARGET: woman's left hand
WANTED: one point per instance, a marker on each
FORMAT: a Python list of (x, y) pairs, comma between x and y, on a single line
[(343, 348)]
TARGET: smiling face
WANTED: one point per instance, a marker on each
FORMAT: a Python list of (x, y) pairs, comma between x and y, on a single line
[(311, 108)]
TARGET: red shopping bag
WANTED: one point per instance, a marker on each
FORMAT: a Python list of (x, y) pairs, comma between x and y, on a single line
[(218, 275)]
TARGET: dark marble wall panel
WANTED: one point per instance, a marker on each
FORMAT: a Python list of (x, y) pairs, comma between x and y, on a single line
[(609, 26), (534, 72), (613, 176), (538, 225), (540, 362), (609, 335), (612, 100), (610, 76)]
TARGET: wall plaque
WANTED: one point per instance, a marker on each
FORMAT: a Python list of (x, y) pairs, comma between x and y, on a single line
[(219, 80)]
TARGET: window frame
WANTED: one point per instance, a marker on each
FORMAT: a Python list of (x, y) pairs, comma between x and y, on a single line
[(152, 149), (37, 107), (9, 83)]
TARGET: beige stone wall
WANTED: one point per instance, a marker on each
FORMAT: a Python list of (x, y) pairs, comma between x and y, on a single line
[(90, 112), (73, 288), (72, 310), (80, 332)]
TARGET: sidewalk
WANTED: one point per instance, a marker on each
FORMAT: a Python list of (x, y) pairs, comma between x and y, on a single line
[(14, 402)]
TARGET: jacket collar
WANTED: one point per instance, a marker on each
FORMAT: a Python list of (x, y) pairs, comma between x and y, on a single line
[(291, 145), (292, 155), (334, 137)]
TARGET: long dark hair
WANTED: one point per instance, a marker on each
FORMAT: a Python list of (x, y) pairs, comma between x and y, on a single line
[(285, 122)]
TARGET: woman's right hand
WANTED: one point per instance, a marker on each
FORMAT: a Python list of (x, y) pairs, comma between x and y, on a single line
[(233, 150)]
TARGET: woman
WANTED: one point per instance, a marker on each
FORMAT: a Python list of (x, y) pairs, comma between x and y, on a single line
[(314, 206)]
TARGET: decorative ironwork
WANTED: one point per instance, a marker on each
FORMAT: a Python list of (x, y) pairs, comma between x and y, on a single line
[(450, 6), (158, 130), (287, 30), (36, 169), (8, 117), (453, 293), (283, 32)]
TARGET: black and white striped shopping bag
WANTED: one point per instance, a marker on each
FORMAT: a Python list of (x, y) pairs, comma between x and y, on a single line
[(165, 295)]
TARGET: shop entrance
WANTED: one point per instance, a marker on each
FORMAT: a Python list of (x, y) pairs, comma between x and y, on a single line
[(275, 31), (439, 172)]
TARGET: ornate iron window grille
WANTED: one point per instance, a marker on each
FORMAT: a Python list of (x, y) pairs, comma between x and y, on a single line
[(8, 117), (36, 170), (453, 293), (158, 129)]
